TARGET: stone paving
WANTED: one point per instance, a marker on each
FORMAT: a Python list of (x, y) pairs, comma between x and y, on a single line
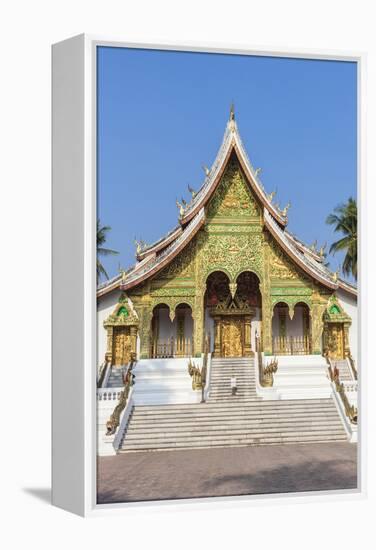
[(226, 472)]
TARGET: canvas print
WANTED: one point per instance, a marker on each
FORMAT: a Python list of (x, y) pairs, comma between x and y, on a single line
[(227, 335)]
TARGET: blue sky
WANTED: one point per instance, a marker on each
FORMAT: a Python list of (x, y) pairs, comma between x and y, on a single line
[(161, 115)]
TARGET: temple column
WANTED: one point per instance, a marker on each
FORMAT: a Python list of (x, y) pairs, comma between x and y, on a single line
[(133, 335), (346, 341), (267, 309), (217, 336), (306, 334), (198, 325), (145, 333), (317, 328), (267, 337), (110, 337), (247, 336)]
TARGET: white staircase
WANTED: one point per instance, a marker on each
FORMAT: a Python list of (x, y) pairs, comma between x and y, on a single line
[(231, 421), (301, 377), (164, 381), (232, 424), (243, 368)]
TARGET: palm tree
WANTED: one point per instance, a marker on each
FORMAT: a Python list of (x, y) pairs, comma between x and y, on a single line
[(345, 219), (101, 239)]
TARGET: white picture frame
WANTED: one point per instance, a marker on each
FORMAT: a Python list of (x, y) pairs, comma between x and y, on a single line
[(74, 256)]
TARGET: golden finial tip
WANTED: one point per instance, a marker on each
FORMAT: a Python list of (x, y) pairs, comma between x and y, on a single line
[(232, 111)]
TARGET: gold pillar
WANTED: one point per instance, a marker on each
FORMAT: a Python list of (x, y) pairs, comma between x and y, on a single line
[(217, 336), (346, 342), (267, 312), (198, 325), (145, 333), (110, 336), (133, 335), (247, 336), (317, 328), (306, 335)]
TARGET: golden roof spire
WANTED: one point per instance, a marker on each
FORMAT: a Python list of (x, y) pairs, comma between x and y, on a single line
[(232, 111)]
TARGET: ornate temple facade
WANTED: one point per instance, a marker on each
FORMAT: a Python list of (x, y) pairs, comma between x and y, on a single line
[(231, 276)]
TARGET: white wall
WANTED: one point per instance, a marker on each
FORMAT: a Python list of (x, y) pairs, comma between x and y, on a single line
[(105, 306), (349, 304)]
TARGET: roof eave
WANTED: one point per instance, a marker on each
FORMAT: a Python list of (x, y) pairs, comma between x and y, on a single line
[(322, 280), (234, 147), (169, 257), (159, 245)]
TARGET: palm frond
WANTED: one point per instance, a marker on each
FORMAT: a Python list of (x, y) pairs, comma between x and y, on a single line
[(344, 218), (101, 251)]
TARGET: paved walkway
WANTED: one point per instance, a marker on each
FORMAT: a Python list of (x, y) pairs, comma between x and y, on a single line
[(225, 472)]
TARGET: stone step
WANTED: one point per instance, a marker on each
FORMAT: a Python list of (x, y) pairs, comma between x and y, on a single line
[(306, 404), (176, 437), (240, 419), (210, 427), (239, 394), (241, 416), (242, 393), (222, 377), (240, 442)]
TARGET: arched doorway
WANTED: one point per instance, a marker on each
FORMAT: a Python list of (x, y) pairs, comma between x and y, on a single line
[(229, 310), (161, 329), (248, 293), (291, 335), (172, 334), (183, 322)]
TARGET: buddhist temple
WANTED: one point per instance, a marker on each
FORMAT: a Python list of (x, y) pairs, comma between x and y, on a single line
[(229, 280)]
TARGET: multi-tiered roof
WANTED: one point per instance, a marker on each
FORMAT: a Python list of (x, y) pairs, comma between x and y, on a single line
[(154, 257)]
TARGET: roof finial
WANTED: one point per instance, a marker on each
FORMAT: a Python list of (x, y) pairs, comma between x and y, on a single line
[(206, 169), (232, 111)]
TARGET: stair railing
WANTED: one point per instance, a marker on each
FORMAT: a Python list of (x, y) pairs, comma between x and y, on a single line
[(351, 363), (266, 373), (197, 375), (205, 371), (342, 388), (103, 372), (129, 379)]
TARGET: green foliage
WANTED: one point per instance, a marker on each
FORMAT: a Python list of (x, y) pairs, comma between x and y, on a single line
[(101, 251), (345, 220)]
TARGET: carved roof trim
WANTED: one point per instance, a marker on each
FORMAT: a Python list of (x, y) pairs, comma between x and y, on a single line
[(303, 247), (231, 142), (314, 269), (160, 243), (344, 285), (161, 260), (108, 286)]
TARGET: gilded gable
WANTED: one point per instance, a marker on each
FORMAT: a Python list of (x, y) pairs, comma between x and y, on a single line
[(281, 267), (233, 197)]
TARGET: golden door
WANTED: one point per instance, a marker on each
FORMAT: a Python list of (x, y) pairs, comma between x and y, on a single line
[(121, 346), (336, 341), (232, 337)]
